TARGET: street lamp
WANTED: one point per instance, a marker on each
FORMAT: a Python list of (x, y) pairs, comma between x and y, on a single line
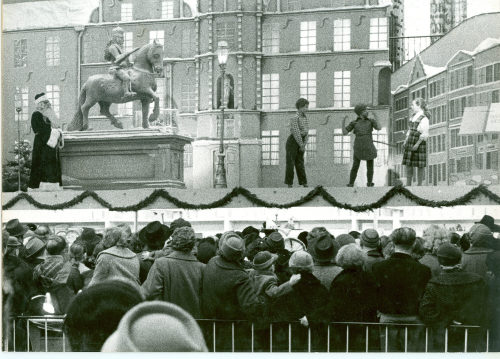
[(18, 110), (220, 173)]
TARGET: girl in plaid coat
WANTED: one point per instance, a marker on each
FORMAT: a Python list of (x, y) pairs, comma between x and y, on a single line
[(415, 145)]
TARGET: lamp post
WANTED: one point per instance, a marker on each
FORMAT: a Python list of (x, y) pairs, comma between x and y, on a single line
[(18, 110), (220, 173)]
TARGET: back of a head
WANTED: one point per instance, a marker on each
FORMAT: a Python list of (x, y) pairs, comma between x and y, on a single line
[(175, 330), (77, 252), (94, 313), (403, 237), (350, 256), (55, 245), (301, 261), (233, 248), (354, 234), (480, 236), (114, 236), (433, 237)]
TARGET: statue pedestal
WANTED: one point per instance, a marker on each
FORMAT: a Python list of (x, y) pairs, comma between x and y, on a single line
[(121, 159)]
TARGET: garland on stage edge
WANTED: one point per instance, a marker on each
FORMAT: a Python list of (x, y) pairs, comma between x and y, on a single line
[(318, 191)]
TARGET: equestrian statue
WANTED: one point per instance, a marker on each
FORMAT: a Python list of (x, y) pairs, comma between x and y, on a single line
[(124, 83)]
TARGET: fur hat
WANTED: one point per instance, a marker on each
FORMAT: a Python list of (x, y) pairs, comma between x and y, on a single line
[(179, 223), (344, 239), (175, 330), (15, 228), (449, 254), (370, 238), (480, 235), (301, 260), (264, 260), (183, 239), (233, 247)]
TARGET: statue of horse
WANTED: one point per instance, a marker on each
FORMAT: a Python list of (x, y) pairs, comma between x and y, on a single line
[(106, 89)]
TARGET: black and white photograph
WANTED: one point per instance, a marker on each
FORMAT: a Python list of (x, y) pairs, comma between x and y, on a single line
[(250, 176)]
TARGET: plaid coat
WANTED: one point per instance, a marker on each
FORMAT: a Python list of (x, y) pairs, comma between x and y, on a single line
[(416, 158)]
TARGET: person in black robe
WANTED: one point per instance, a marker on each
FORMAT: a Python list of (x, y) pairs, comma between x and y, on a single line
[(45, 161)]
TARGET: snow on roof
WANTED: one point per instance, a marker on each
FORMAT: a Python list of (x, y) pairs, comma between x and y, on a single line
[(432, 70), (485, 45), (47, 14)]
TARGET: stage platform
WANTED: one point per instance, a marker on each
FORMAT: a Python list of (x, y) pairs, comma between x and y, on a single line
[(277, 196)]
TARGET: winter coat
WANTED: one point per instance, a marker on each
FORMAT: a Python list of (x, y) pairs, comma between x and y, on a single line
[(177, 279), (401, 283), (265, 284), (352, 297), (432, 262), (116, 262), (308, 298), (228, 292), (373, 256), (21, 276), (326, 273), (474, 260), (454, 295)]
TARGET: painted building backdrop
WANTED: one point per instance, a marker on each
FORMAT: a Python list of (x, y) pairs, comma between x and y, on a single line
[(336, 54)]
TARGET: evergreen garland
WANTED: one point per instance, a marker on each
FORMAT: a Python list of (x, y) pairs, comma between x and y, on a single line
[(318, 191)]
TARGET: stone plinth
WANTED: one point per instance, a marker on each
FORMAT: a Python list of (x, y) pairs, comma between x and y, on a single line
[(123, 159)]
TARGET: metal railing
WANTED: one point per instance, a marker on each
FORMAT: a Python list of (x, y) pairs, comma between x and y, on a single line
[(45, 334)]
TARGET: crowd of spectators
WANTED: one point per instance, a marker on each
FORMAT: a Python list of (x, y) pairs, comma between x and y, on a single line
[(113, 288)]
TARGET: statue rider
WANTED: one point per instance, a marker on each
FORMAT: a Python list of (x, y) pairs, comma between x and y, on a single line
[(114, 53)]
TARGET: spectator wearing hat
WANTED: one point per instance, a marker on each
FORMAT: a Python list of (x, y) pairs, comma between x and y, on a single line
[(253, 244), (265, 281), (313, 236), (228, 293), (95, 312), (153, 238), (17, 230), (454, 296), (307, 301), (179, 223), (401, 282), (117, 261), (323, 254), (275, 243), (177, 278), (474, 259), (493, 264), (34, 252), (89, 239), (343, 240), (42, 232), (370, 244), (175, 330), (227, 290), (433, 236), (364, 149), (57, 276), (462, 241), (489, 222), (18, 278), (353, 296)]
